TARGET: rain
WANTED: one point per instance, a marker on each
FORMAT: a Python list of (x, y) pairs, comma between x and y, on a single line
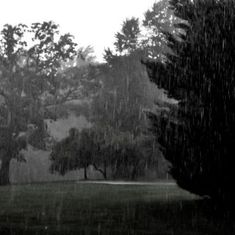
[(127, 130)]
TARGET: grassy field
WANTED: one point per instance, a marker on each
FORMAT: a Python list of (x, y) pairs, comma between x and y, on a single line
[(80, 208)]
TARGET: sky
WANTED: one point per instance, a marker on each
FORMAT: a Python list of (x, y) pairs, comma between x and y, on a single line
[(92, 22)]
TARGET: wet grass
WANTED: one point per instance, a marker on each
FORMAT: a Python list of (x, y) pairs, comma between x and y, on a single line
[(73, 208)]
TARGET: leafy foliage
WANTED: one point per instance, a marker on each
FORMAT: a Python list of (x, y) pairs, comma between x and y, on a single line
[(127, 39), (124, 95), (158, 20), (197, 136), (30, 81), (104, 149)]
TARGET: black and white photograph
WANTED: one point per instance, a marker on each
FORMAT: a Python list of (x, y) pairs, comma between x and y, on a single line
[(117, 117)]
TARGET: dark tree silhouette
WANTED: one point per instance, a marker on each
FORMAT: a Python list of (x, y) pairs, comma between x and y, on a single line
[(198, 134), (104, 149), (80, 150), (73, 152)]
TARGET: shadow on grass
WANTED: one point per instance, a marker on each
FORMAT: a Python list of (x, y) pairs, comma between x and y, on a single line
[(174, 217)]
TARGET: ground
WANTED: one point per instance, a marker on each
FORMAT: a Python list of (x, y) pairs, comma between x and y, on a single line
[(98, 208)]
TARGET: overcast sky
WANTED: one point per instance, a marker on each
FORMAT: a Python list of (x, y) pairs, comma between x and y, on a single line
[(92, 22)]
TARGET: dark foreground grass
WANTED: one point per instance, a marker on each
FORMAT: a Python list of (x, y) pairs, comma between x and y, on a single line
[(75, 208)]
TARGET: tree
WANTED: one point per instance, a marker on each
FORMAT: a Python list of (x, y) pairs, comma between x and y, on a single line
[(126, 92), (125, 95), (121, 152), (131, 156), (73, 152), (103, 148), (158, 20), (117, 108), (127, 39), (118, 111), (197, 136), (80, 150), (30, 82)]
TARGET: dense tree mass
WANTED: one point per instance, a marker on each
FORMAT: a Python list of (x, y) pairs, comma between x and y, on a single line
[(197, 136), (114, 154), (118, 109), (187, 47), (33, 84)]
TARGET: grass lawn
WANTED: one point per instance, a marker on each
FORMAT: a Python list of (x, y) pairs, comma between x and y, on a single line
[(80, 208)]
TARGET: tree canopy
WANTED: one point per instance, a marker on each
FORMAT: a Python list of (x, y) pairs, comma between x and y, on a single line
[(31, 82), (197, 136)]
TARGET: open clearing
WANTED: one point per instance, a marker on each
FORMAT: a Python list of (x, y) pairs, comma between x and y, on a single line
[(106, 208)]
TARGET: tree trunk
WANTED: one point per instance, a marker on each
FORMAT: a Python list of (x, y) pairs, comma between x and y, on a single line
[(85, 173), (6, 148), (105, 171), (5, 170), (134, 172)]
